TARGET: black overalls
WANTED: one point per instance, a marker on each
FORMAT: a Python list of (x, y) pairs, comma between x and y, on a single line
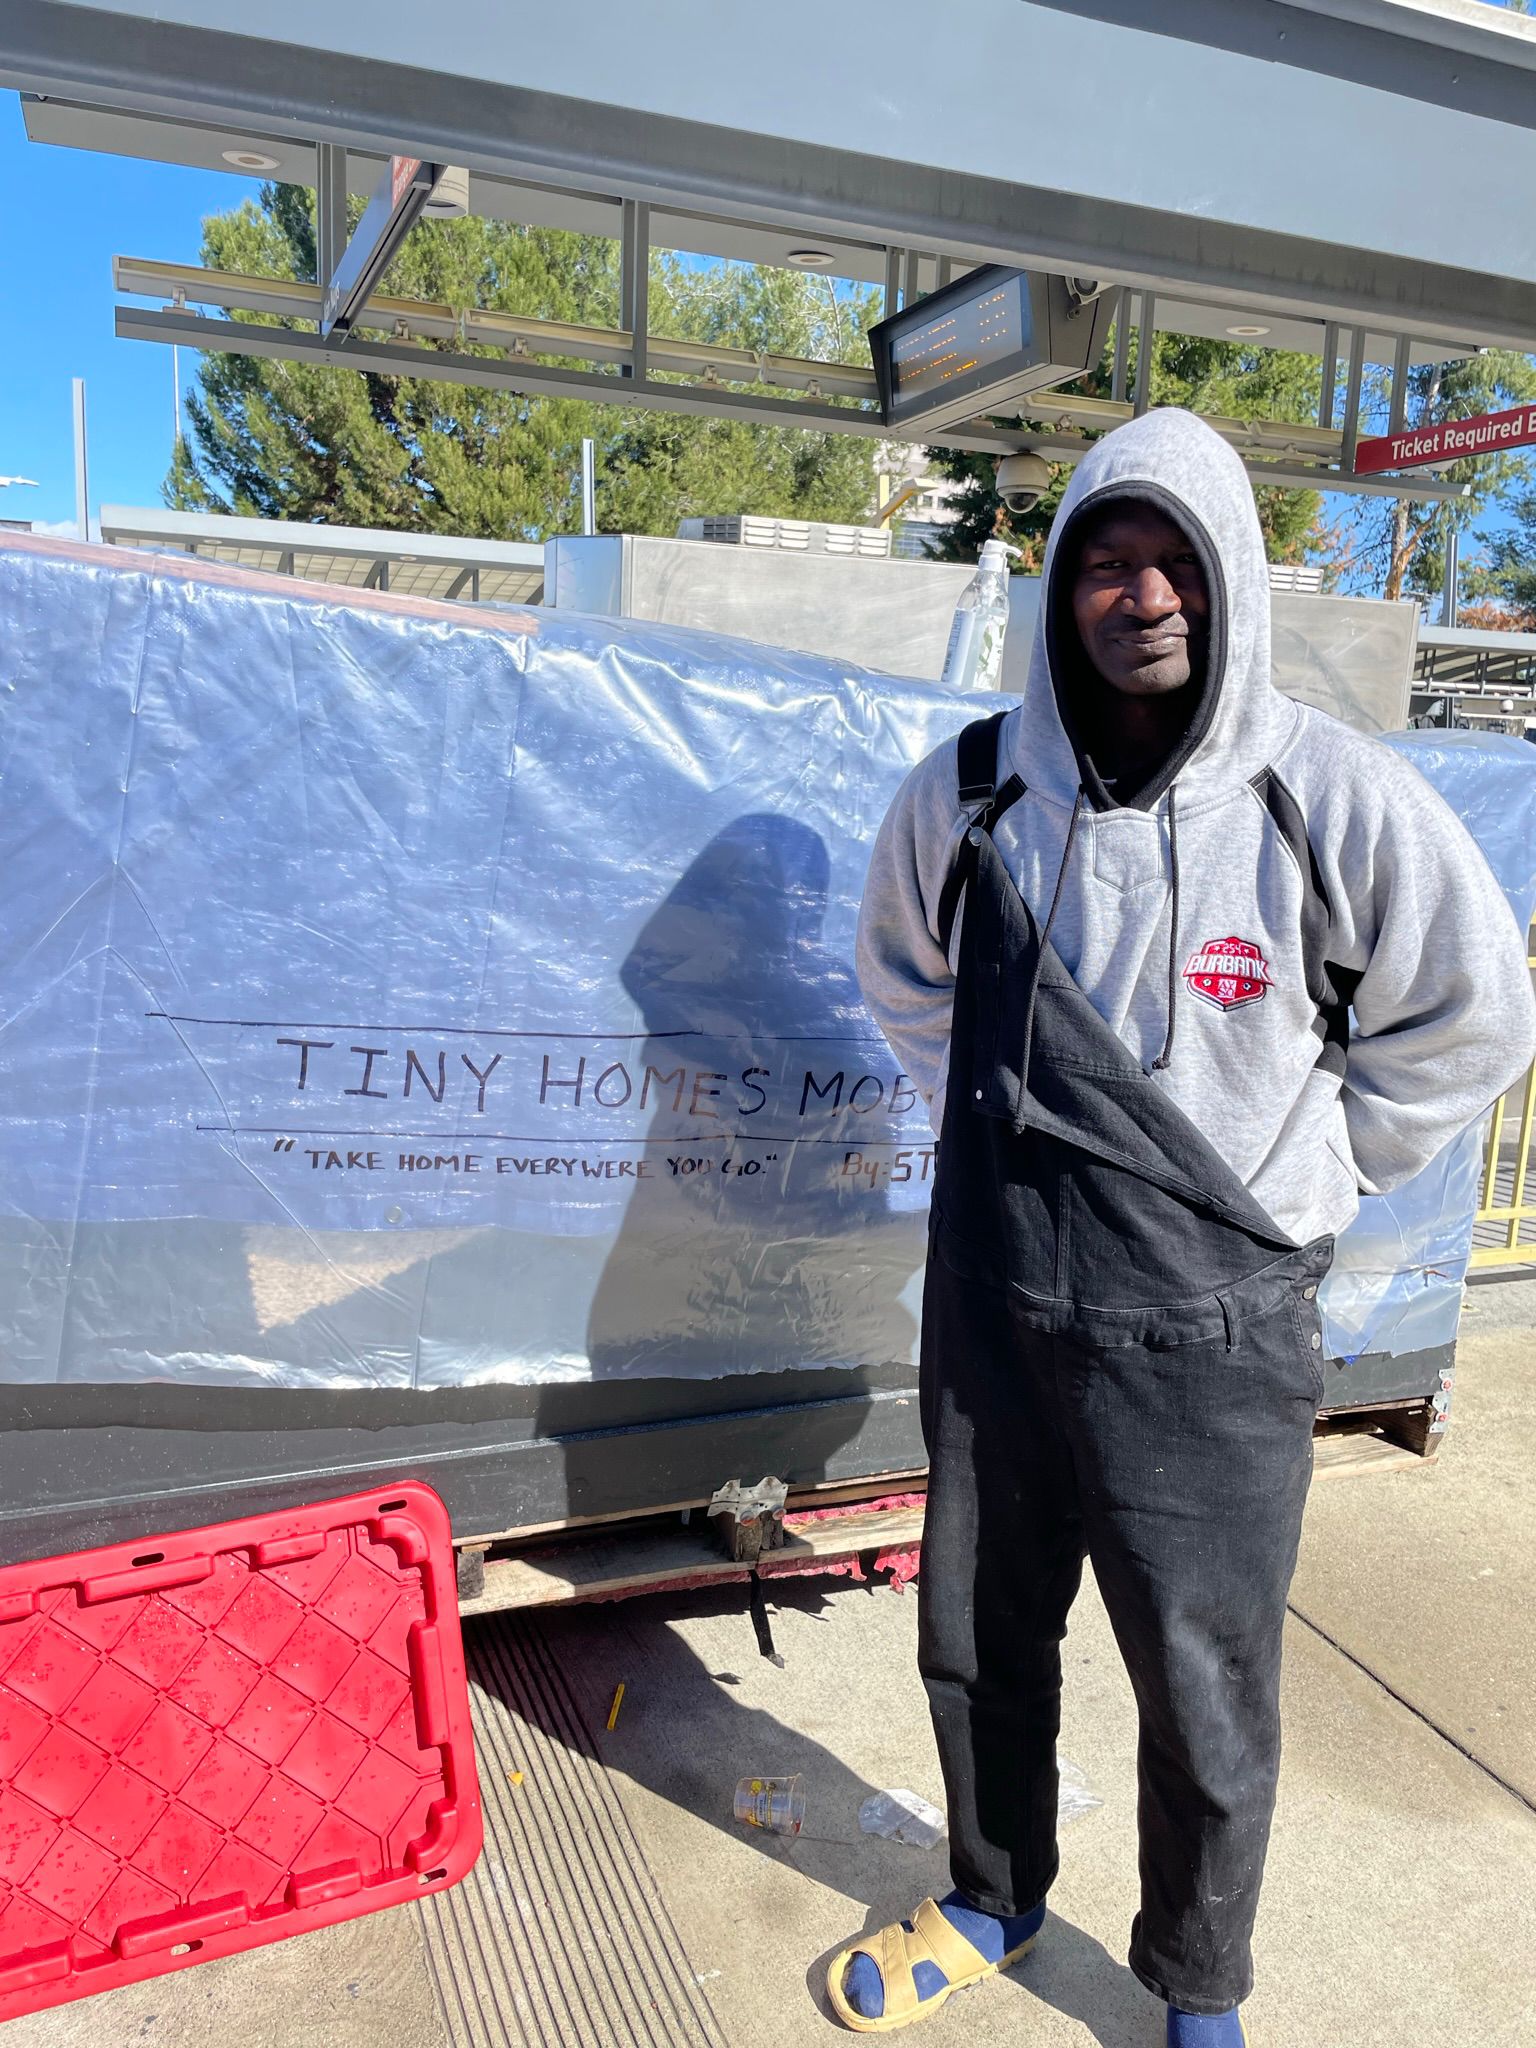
[(1121, 1358)]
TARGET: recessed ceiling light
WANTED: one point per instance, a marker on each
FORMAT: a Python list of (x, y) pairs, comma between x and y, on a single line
[(249, 160), (1247, 333), (812, 259)]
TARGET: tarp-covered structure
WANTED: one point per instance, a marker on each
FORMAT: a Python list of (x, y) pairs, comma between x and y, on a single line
[(401, 997)]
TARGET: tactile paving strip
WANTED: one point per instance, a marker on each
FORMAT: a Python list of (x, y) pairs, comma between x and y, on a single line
[(560, 1937), (217, 1738)]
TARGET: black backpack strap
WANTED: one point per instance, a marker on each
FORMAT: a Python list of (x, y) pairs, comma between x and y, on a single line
[(979, 795), (976, 758)]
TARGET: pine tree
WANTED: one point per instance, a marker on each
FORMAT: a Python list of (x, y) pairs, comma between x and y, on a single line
[(1223, 378), (289, 440), (1509, 575), (1400, 542)]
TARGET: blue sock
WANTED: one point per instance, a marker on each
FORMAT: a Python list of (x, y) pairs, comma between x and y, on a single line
[(1205, 2030), (995, 1937)]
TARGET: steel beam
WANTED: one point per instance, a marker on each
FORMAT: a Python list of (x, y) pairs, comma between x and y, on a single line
[(1144, 337), (1297, 476), (1048, 198), (1119, 375), (1352, 396), (892, 282), (635, 283), (1416, 489), (1253, 438), (330, 209), (1330, 374), (1398, 417), (395, 359), (1279, 438), (185, 284)]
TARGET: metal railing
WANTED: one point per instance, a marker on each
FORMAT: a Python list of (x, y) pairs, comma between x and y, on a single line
[(1504, 1227)]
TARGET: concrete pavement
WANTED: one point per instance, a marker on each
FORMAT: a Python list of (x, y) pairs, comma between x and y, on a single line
[(1430, 1577), (1401, 1899)]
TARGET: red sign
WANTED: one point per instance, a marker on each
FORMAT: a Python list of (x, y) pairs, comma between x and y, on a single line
[(402, 170), (1452, 441)]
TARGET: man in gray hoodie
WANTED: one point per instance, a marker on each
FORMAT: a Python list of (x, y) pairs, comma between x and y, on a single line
[(1182, 968)]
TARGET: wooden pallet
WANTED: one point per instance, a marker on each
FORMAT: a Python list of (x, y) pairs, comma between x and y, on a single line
[(1350, 1454)]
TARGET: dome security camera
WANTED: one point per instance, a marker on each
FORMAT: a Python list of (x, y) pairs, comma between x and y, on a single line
[(1022, 481)]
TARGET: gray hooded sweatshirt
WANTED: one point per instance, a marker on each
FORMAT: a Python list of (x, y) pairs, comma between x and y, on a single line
[(1345, 989)]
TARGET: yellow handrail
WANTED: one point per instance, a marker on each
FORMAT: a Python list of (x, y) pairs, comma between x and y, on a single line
[(1518, 1246)]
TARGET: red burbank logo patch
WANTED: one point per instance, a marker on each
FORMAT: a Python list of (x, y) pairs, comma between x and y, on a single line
[(1228, 973)]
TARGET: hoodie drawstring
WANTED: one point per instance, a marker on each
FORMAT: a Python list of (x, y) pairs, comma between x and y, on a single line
[(1173, 929), (1045, 934), (1163, 1058)]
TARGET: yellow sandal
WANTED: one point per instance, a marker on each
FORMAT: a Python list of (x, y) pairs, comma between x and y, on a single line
[(895, 1954)]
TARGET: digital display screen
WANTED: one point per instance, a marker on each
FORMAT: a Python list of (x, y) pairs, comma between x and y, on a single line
[(966, 342)]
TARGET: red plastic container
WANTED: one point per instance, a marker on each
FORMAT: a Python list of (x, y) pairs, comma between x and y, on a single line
[(213, 1739)]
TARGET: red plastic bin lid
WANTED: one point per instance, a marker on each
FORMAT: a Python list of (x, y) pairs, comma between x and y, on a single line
[(213, 1739)]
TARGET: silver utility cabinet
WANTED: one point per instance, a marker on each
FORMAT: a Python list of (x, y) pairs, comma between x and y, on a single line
[(1351, 656), (890, 615)]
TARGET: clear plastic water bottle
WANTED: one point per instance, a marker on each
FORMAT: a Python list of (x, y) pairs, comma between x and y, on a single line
[(974, 657)]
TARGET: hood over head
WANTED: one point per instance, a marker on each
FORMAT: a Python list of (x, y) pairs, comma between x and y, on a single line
[(1174, 461)]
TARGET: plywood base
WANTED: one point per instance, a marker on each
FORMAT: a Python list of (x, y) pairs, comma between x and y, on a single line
[(1349, 1455), (649, 1560)]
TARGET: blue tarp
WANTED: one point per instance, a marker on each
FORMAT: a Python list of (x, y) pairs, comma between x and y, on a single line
[(398, 995)]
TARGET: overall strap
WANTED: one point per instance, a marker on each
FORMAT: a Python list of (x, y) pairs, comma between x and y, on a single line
[(984, 803), (976, 759)]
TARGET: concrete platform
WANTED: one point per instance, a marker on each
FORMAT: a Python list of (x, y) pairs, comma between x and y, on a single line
[(1401, 1900), (1430, 1577)]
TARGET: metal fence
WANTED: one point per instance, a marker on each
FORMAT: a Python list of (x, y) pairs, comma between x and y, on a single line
[(1504, 1228)]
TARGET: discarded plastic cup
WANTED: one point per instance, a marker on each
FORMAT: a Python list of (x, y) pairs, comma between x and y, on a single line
[(777, 1804)]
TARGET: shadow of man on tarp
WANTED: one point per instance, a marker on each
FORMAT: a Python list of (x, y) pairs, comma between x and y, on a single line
[(762, 1252)]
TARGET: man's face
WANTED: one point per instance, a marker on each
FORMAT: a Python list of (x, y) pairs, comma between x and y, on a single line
[(1140, 601)]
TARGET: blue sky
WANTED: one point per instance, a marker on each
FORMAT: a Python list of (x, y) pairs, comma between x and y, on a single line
[(67, 214)]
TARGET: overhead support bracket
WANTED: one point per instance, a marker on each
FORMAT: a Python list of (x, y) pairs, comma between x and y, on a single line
[(892, 297), (1401, 361), (1330, 374), (1144, 338), (391, 213), (635, 283), (1352, 396), (330, 208), (1118, 377)]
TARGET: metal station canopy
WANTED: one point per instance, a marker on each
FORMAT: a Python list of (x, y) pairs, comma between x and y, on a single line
[(1463, 660), (1331, 175), (358, 557)]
